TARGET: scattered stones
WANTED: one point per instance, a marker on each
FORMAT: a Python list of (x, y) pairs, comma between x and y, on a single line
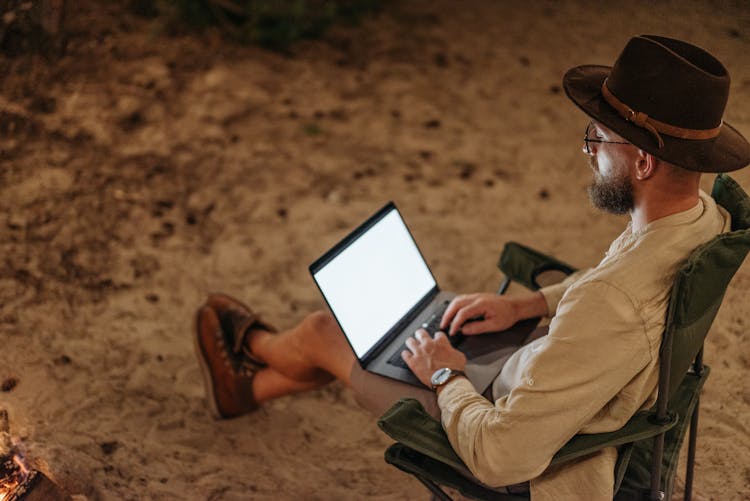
[(109, 447), (426, 154), (63, 360), (543, 194), (282, 212), (467, 170), (152, 297), (132, 121), (8, 384), (432, 124)]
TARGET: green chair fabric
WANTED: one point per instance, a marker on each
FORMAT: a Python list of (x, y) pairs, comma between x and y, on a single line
[(423, 448)]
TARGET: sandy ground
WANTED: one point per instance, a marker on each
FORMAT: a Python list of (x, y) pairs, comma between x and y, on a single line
[(141, 171)]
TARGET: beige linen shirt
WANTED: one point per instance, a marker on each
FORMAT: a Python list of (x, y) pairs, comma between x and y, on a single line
[(597, 366)]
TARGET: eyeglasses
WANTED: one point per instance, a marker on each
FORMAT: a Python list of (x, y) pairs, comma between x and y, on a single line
[(586, 139)]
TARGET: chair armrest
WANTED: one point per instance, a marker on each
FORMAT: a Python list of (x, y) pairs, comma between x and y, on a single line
[(523, 264), (409, 424), (639, 427)]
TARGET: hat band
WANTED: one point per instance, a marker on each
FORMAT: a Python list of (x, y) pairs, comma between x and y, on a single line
[(655, 126)]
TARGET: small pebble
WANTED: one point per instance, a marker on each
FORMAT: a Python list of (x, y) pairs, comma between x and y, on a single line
[(63, 360), (9, 384), (432, 124), (152, 298), (543, 194), (109, 447), (467, 170)]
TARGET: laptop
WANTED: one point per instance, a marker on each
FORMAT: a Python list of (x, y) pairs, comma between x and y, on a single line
[(380, 290)]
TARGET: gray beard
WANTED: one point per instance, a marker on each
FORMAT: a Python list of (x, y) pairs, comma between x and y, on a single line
[(611, 195)]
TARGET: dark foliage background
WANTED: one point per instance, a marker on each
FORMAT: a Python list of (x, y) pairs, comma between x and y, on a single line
[(274, 24)]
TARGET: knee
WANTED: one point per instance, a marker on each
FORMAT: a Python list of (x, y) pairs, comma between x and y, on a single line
[(322, 321)]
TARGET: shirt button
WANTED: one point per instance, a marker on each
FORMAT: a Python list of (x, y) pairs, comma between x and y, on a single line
[(530, 381)]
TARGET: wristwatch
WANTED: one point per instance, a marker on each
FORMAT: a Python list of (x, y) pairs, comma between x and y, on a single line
[(442, 376)]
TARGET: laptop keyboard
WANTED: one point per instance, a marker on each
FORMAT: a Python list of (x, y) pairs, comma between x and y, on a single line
[(431, 325)]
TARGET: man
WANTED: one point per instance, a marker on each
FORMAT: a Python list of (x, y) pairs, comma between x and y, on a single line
[(656, 125)]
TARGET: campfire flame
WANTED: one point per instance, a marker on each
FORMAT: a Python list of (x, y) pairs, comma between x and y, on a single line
[(14, 473), (13, 470)]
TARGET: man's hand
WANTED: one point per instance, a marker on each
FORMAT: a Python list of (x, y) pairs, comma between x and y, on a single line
[(493, 313), (426, 355)]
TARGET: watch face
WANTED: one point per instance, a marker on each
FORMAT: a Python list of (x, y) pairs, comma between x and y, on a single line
[(441, 376)]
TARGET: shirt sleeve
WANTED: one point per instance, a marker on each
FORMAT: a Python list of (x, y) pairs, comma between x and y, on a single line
[(596, 344), (553, 293)]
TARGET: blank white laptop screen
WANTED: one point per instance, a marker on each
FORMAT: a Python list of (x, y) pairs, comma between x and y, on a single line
[(375, 281)]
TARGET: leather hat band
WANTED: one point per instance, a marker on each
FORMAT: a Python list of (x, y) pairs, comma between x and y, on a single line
[(652, 125)]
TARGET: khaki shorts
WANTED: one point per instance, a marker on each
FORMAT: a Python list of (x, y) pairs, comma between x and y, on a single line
[(378, 393)]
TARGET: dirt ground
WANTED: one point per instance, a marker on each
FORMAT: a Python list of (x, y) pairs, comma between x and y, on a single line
[(141, 171)]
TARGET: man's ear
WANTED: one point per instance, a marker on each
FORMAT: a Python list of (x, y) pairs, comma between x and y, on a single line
[(645, 165)]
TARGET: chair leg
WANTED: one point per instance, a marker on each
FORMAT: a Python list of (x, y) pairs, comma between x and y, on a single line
[(437, 492), (655, 493), (691, 452)]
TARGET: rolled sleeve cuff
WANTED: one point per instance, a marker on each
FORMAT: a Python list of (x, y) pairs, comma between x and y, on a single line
[(552, 296)]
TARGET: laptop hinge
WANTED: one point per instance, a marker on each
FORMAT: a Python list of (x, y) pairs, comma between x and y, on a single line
[(385, 342)]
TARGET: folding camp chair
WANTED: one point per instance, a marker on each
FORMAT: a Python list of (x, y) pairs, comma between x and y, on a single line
[(649, 444)]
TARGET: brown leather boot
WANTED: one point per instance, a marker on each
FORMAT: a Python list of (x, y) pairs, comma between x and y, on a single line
[(228, 366)]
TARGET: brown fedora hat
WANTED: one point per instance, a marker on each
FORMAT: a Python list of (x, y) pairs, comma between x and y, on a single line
[(667, 97)]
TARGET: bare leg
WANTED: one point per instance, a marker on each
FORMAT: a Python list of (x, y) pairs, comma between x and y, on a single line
[(269, 384), (305, 357)]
